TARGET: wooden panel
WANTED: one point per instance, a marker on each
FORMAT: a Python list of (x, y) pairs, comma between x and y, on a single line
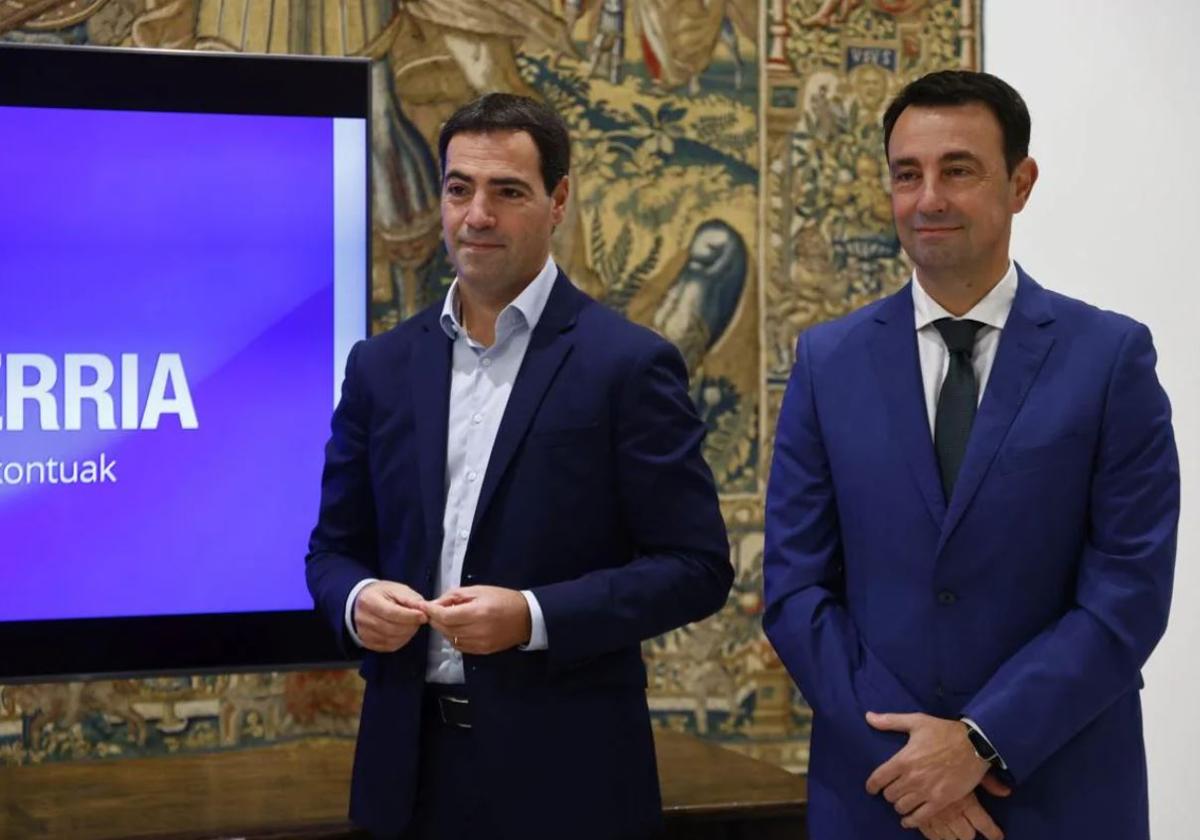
[(299, 790)]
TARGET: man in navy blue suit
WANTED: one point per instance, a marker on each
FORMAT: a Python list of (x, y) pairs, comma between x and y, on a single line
[(971, 517), (513, 499)]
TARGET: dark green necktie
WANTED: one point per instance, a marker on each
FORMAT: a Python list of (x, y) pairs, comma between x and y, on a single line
[(957, 399)]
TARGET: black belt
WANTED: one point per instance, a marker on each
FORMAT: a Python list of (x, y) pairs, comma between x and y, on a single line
[(447, 704)]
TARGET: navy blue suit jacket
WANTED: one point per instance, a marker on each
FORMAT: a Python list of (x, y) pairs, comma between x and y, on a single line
[(1028, 601), (596, 498)]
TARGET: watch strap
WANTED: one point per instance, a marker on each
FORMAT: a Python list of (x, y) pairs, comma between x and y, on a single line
[(982, 746)]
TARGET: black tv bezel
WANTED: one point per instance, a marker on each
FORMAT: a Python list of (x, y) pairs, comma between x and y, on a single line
[(103, 78)]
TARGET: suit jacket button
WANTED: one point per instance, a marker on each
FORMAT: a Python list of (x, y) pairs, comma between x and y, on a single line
[(946, 597), (940, 691)]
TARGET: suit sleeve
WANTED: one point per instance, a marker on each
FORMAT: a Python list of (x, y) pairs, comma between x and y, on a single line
[(806, 618), (341, 549), (1070, 673), (680, 571)]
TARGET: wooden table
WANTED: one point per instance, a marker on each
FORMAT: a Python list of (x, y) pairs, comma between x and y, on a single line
[(711, 793), (299, 790)]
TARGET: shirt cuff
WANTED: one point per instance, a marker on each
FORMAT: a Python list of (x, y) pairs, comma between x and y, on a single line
[(537, 624), (974, 726), (350, 599)]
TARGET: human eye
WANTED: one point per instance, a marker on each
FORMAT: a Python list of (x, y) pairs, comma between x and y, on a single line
[(455, 189), (904, 176)]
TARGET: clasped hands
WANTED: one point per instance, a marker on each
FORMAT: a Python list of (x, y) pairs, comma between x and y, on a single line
[(931, 782), (477, 619)]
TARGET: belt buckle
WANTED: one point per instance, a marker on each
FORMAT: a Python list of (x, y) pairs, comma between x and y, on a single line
[(460, 701)]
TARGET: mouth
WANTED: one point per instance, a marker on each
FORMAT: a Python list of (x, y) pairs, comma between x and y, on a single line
[(935, 231), (481, 246)]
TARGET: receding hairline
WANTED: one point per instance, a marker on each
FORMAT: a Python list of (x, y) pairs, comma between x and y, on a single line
[(959, 107)]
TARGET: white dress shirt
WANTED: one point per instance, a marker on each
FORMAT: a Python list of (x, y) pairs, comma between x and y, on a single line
[(992, 311), (481, 381)]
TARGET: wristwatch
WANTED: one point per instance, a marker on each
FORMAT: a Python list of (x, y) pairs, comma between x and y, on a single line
[(983, 747)]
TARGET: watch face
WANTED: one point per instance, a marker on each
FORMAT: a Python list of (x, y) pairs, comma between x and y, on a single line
[(982, 748)]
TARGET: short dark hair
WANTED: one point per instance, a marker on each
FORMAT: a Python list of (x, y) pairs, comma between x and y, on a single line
[(510, 112), (962, 87)]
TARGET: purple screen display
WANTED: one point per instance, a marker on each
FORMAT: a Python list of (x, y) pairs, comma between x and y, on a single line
[(169, 275)]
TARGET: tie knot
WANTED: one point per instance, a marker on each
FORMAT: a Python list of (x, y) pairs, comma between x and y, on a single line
[(958, 335)]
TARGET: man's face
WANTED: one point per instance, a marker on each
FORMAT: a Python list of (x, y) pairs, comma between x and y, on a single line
[(952, 196), (496, 216)]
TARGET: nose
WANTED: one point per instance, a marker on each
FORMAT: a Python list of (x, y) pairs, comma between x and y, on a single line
[(479, 213), (931, 200)]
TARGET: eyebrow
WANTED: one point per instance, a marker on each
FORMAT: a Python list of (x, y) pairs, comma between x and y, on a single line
[(493, 182), (949, 157)]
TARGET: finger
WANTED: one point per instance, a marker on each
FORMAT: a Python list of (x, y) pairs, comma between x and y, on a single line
[(983, 822), (908, 803), (962, 829), (450, 628), (389, 612), (390, 592), (389, 622), (884, 775), (934, 828), (457, 595), (994, 786), (896, 790), (381, 597), (389, 627), (474, 645), (443, 614), (892, 722), (403, 596), (436, 612), (456, 617), (923, 814)]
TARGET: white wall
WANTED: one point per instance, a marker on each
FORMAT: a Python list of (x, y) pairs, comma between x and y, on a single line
[(1115, 220)]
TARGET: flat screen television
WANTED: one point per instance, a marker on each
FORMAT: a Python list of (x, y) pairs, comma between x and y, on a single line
[(184, 251)]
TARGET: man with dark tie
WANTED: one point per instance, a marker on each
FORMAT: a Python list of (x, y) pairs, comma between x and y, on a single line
[(971, 517), (513, 499)]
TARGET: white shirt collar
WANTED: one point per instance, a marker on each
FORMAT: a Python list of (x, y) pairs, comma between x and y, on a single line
[(992, 310), (528, 305)]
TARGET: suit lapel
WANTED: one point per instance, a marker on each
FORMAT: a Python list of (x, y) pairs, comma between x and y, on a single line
[(429, 376), (549, 346), (894, 350), (1022, 350)]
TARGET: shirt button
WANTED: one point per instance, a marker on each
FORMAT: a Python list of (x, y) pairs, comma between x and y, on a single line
[(462, 533), (472, 475), (486, 363), (946, 597), (477, 419)]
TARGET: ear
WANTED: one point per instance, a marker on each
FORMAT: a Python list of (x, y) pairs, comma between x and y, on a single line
[(558, 200), (1022, 181)]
